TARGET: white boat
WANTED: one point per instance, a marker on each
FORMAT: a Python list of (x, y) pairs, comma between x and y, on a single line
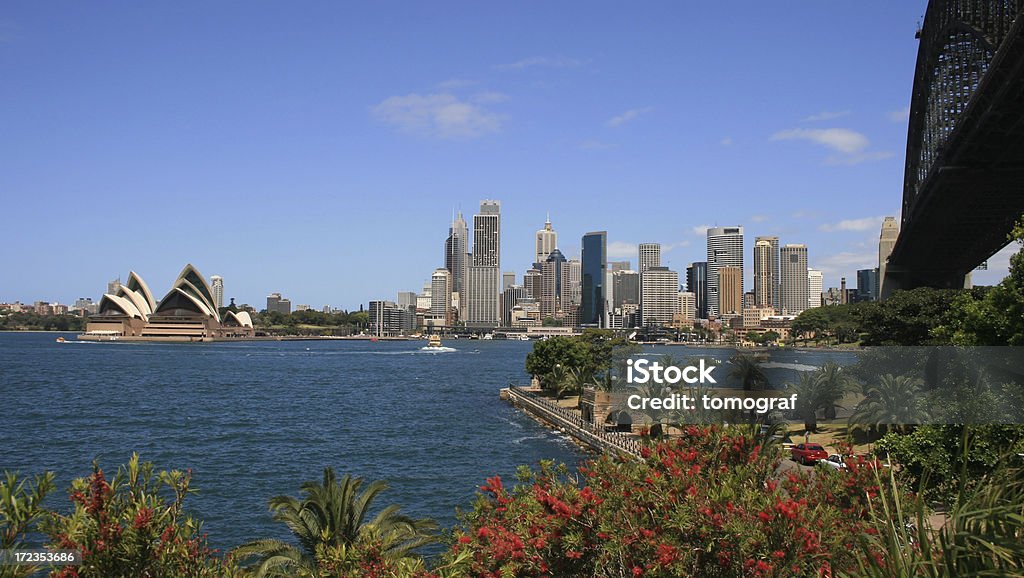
[(434, 345)]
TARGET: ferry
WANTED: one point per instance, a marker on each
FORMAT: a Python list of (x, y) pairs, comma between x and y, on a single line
[(434, 345)]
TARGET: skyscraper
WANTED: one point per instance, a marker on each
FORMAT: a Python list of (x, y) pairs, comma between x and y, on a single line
[(217, 287), (456, 253), (508, 279), (815, 285), (574, 278), (725, 249), (553, 281), (886, 241), (625, 288), (697, 283), (794, 284), (547, 240), (766, 272), (649, 255), (659, 299), (441, 296), (867, 284), (730, 290), (483, 281), (595, 263)]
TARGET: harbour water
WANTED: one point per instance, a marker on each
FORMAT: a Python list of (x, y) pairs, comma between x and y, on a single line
[(256, 419)]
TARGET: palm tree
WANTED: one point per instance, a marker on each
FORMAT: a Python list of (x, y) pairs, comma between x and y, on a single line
[(834, 384), (746, 370), (892, 401), (808, 392), (333, 515)]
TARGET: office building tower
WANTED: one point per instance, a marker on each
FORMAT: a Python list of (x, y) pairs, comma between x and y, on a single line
[(510, 298), (649, 256), (508, 279), (217, 287), (625, 288), (594, 267), (659, 297), (547, 240), (456, 253), (815, 286), (766, 272), (387, 318), (441, 296), (725, 249), (407, 299), (574, 279), (730, 290), (867, 285), (483, 283), (532, 284), (553, 280), (793, 276), (687, 306), (886, 241), (614, 266), (697, 283)]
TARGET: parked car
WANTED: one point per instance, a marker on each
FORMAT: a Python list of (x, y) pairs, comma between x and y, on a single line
[(808, 454), (836, 461)]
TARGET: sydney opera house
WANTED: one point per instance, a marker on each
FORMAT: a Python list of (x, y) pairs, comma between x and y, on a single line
[(188, 312)]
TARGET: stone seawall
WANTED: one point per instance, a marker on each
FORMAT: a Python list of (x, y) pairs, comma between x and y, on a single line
[(572, 423)]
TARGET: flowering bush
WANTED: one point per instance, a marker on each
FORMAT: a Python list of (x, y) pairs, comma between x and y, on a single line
[(133, 525), (713, 503)]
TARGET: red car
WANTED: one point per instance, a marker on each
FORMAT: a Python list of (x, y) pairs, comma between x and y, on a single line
[(808, 453)]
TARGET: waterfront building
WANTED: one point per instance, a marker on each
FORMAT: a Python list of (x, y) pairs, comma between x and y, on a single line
[(547, 240), (659, 297), (753, 316), (526, 313), (794, 280), (388, 319), (730, 280), (456, 253), (766, 271), (407, 298), (186, 313), (867, 284), (594, 267), (724, 249), (275, 302), (483, 283), (511, 297), (441, 297), (532, 283), (553, 282), (815, 286), (217, 285), (697, 283), (688, 307), (886, 241)]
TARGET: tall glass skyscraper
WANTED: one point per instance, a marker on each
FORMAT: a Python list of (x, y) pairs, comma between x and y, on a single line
[(595, 265), (697, 283), (456, 253), (725, 249)]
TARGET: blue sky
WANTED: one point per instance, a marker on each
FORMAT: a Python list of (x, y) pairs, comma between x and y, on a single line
[(319, 149)]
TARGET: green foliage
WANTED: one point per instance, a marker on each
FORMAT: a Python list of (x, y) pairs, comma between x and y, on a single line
[(933, 457), (907, 317), (820, 390), (589, 355), (310, 322), (747, 372), (893, 403), (335, 533), (134, 525), (35, 322), (21, 511), (839, 322)]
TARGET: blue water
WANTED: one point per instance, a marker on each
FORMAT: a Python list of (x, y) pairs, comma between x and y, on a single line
[(256, 419)]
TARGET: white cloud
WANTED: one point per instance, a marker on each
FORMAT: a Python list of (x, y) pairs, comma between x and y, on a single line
[(865, 224), (838, 139), (900, 115), (443, 115), (488, 97), (759, 218), (542, 61), (700, 229), (669, 246), (826, 115), (846, 264), (621, 250), (727, 141), (627, 116), (850, 146)]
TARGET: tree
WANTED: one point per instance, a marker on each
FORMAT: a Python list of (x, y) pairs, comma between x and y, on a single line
[(745, 369), (21, 511), (907, 317), (331, 523), (893, 402), (820, 390)]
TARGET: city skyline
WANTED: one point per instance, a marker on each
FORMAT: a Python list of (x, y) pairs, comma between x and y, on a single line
[(309, 148)]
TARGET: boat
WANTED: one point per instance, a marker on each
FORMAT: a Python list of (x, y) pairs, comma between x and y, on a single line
[(434, 345), (60, 340)]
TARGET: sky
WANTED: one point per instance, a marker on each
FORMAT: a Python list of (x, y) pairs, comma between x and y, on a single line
[(319, 149)]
